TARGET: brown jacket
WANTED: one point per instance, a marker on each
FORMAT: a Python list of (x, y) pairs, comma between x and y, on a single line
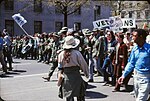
[(121, 60), (122, 56)]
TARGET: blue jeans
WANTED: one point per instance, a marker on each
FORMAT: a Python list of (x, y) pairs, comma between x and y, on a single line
[(99, 64), (91, 66), (108, 70), (107, 65), (141, 86)]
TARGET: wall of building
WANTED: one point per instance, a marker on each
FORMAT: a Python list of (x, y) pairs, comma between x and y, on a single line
[(48, 17)]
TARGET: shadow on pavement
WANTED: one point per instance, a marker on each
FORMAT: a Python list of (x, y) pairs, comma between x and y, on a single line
[(16, 62), (5, 76), (12, 73), (129, 89), (94, 95), (19, 71), (89, 86)]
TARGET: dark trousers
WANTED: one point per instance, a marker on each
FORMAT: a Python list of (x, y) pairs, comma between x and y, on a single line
[(53, 66), (78, 99), (8, 57), (117, 75)]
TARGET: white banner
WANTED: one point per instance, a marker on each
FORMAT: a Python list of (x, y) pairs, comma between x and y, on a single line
[(101, 23), (19, 19), (128, 23), (115, 24)]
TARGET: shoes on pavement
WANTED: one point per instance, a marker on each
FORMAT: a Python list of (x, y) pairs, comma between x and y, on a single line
[(91, 80), (10, 69), (132, 93), (46, 78), (97, 74), (116, 90), (106, 84), (39, 60), (46, 62)]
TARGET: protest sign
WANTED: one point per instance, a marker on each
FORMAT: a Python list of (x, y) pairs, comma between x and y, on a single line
[(128, 23), (115, 24), (101, 23), (19, 19)]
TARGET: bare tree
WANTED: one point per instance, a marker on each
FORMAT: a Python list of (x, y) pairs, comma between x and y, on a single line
[(68, 7), (65, 7)]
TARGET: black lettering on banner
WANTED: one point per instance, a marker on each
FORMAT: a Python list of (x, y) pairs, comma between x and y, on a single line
[(107, 22), (103, 23), (98, 24), (126, 23), (131, 23)]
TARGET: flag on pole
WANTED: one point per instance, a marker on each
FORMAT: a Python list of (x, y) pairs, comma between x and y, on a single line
[(19, 19)]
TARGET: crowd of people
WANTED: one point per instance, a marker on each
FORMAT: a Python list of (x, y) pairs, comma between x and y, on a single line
[(95, 52)]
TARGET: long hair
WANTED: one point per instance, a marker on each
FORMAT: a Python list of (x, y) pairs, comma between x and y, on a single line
[(67, 54)]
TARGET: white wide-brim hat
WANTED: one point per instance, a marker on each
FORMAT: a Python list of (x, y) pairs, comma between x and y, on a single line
[(71, 42)]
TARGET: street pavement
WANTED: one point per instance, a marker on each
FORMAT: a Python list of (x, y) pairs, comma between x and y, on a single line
[(25, 83)]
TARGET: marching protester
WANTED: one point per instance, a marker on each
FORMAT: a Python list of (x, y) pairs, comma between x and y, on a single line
[(4, 66), (43, 42), (7, 49), (120, 59), (107, 67), (89, 42), (70, 61), (99, 49), (139, 62), (53, 59)]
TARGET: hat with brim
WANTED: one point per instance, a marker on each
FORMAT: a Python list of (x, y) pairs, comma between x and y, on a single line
[(95, 29), (86, 32), (65, 28), (71, 42), (55, 34), (62, 31)]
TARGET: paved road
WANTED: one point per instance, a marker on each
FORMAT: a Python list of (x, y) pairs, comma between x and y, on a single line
[(24, 83)]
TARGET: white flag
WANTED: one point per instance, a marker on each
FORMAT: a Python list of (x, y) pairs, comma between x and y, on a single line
[(19, 19)]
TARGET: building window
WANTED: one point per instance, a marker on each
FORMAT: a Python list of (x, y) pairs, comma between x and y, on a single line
[(138, 4), (122, 6), (78, 11), (130, 5), (147, 14), (77, 26), (37, 26), (123, 14), (138, 15), (130, 14), (57, 10), (9, 4), (37, 5), (9, 25), (58, 26), (98, 10)]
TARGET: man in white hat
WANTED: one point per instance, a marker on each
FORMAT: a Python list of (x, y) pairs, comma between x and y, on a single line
[(70, 61)]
